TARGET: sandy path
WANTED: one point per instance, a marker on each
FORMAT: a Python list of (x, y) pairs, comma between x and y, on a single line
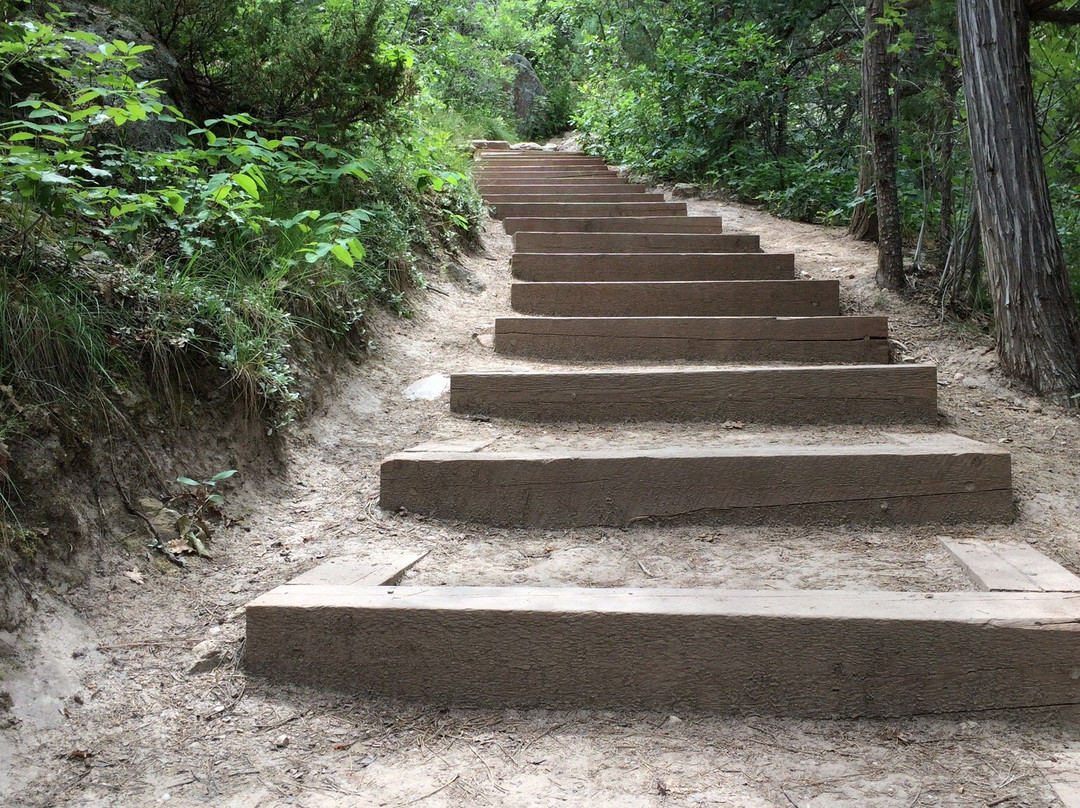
[(162, 735)]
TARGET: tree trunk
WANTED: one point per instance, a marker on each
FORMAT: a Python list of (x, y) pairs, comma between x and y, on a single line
[(864, 226), (950, 80), (879, 70), (1038, 331)]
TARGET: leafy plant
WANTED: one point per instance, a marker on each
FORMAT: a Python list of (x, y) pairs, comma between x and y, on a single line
[(251, 240), (204, 502)]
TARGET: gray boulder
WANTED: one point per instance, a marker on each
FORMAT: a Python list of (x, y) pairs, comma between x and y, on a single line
[(528, 92), (158, 65)]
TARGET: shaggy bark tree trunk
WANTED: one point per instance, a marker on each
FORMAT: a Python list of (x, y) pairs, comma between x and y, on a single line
[(864, 226), (950, 80), (1038, 332), (879, 70)]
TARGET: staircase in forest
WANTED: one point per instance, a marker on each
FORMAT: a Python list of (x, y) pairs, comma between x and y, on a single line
[(698, 325)]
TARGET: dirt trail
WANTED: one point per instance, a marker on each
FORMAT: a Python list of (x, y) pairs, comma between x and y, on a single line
[(105, 671)]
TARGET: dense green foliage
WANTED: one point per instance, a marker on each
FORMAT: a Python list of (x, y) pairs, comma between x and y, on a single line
[(740, 96), (237, 250), (761, 99)]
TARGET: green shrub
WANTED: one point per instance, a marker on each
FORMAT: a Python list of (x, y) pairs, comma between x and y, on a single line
[(225, 255)]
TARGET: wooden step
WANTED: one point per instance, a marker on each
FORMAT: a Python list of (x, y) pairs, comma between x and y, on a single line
[(520, 163), (504, 188), (920, 479), (838, 394), (1001, 567), (544, 182), (618, 224), (577, 210), (527, 172), (817, 340), (562, 267), (788, 298), (603, 196), (545, 157), (566, 177), (808, 654), (525, 241), (385, 571)]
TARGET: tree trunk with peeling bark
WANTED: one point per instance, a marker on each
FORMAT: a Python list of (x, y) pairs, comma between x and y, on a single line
[(863, 226), (1038, 330), (879, 71)]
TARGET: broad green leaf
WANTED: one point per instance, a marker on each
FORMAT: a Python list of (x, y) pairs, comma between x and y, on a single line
[(248, 184), (174, 201), (343, 255)]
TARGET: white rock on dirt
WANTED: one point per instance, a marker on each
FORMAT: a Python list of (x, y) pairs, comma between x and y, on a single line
[(209, 655), (428, 388)]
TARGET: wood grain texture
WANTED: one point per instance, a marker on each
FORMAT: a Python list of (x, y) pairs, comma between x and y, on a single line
[(607, 180), (539, 158), (586, 267), (619, 224), (788, 298), (1001, 567), (1063, 775), (525, 241), (616, 195), (817, 340), (577, 210), (828, 654), (537, 171), (346, 572), (925, 479), (790, 395), (586, 187)]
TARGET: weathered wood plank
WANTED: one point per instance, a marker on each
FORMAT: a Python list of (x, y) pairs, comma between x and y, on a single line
[(577, 210), (821, 395), (539, 158), (480, 145), (348, 572), (1063, 775), (635, 242), (818, 340), (926, 479), (619, 224), (531, 165), (503, 188), (525, 172), (1001, 567), (607, 180), (824, 654), (609, 196), (788, 298), (586, 267)]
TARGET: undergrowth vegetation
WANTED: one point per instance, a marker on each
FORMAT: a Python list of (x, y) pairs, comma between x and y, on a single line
[(151, 250), (226, 251)]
